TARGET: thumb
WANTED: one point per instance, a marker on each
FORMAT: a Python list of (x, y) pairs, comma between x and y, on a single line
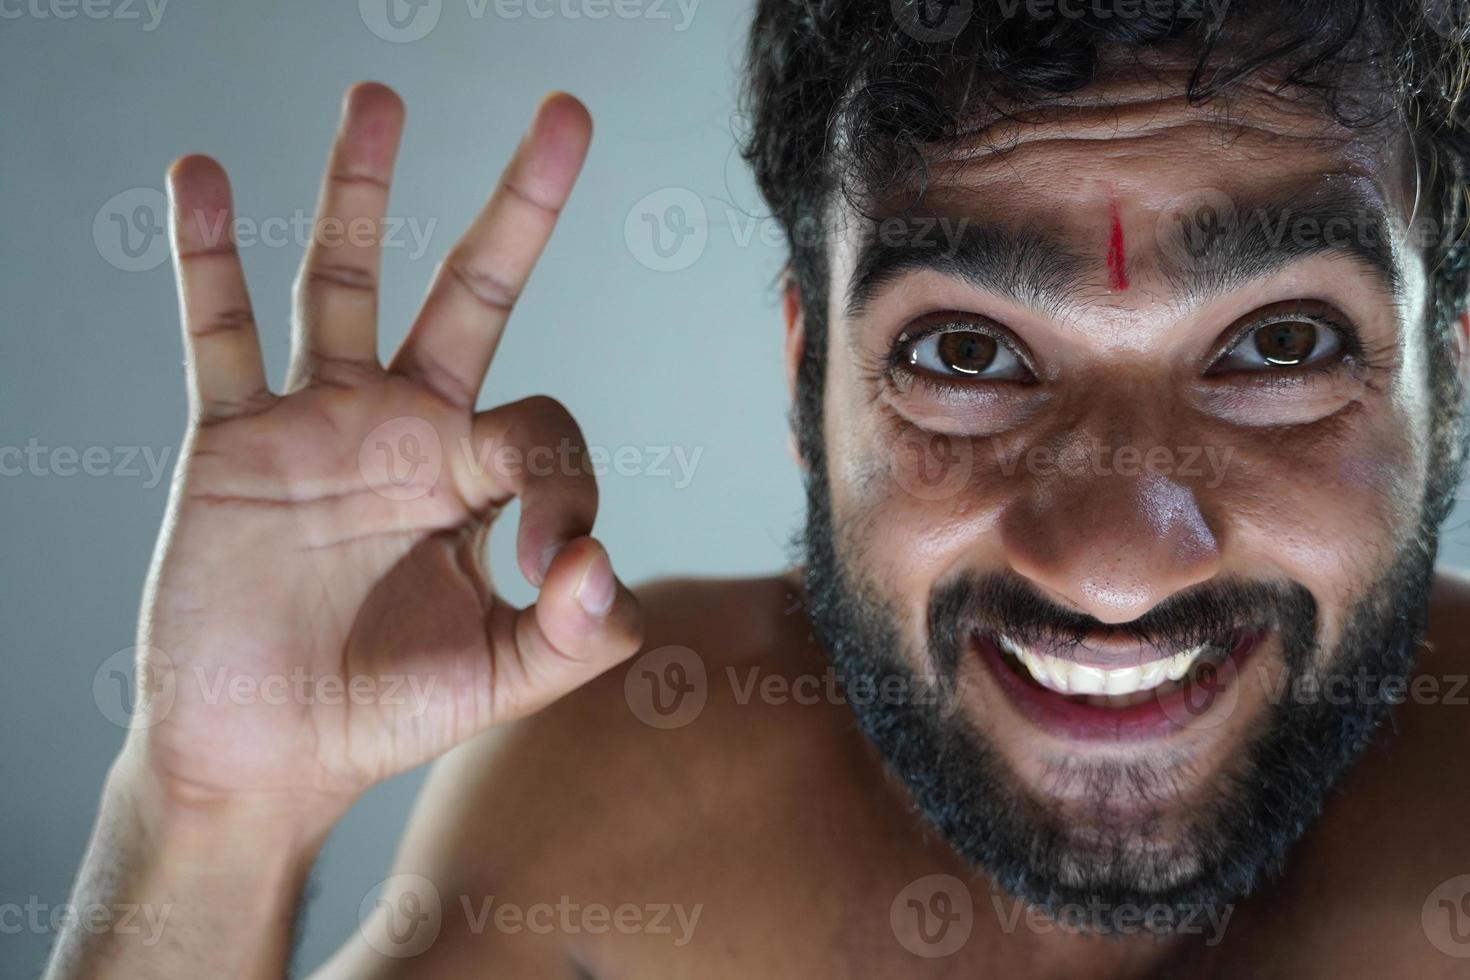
[(583, 622)]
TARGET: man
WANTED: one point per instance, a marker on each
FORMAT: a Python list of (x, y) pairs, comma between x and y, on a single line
[(1126, 345)]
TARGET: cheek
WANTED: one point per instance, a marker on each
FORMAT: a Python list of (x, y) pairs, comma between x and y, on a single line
[(1329, 505), (911, 506)]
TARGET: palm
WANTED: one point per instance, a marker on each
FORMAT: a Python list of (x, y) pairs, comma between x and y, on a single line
[(319, 604)]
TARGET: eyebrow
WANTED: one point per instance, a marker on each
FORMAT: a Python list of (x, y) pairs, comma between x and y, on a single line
[(1203, 256), (1026, 266), (1199, 258)]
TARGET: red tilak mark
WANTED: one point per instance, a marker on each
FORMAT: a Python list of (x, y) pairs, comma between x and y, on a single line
[(1117, 258)]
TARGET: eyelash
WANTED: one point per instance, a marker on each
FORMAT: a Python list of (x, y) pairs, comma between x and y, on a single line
[(895, 363), (1354, 352)]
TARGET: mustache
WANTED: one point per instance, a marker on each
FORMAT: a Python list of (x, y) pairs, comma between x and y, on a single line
[(1205, 613)]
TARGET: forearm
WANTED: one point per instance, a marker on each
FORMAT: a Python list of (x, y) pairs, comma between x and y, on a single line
[(186, 888)]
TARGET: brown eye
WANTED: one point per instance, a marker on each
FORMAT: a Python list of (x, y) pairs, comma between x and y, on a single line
[(1287, 343), (966, 351), (1290, 340), (963, 354)]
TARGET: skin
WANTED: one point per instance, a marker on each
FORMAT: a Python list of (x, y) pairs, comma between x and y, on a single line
[(1319, 473), (767, 816)]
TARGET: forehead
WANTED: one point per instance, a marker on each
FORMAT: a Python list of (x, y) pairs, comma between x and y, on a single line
[(1138, 127), (1122, 163)]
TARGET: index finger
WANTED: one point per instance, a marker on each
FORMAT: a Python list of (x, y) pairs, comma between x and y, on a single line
[(452, 340)]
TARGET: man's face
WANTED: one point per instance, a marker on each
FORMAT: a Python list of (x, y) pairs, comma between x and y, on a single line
[(1131, 436)]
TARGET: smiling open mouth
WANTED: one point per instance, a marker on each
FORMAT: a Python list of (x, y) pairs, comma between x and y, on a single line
[(1116, 687), (1122, 693)]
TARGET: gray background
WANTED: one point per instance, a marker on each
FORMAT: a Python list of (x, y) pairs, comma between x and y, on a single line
[(648, 350)]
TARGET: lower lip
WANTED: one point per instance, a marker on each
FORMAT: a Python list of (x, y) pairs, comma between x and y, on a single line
[(1077, 720)]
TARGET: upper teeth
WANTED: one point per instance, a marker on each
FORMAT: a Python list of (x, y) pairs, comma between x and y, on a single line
[(1066, 677)]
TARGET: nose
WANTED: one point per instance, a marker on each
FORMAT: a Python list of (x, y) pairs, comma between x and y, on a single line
[(1108, 544)]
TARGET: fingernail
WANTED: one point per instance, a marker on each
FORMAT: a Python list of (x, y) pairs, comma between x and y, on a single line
[(548, 555), (597, 588)]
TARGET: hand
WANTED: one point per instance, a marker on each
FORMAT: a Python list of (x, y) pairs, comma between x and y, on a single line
[(326, 544)]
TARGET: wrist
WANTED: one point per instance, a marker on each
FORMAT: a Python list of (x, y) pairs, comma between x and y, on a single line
[(218, 880), (271, 837)]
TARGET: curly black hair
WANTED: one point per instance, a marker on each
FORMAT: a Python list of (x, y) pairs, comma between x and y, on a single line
[(885, 79)]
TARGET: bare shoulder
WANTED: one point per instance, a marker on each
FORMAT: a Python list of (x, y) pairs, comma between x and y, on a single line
[(635, 788), (1434, 716), (642, 778), (1418, 757), (1438, 698), (1410, 792)]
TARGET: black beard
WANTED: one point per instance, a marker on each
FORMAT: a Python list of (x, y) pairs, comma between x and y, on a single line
[(1101, 880)]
